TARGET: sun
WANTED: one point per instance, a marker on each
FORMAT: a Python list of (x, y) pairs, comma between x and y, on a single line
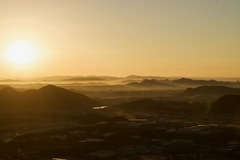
[(21, 53)]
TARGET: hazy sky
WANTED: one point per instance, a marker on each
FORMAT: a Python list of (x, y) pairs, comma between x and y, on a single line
[(122, 37)]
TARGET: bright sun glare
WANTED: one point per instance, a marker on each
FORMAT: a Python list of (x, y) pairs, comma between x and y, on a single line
[(21, 53)]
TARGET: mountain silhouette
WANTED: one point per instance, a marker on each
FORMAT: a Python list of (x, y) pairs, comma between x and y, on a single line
[(150, 83), (84, 79), (187, 81), (211, 90), (227, 104), (134, 77), (8, 90), (46, 98)]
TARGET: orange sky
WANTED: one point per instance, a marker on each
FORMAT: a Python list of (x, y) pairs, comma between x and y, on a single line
[(122, 37)]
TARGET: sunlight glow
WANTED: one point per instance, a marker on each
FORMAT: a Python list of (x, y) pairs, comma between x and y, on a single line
[(21, 53)]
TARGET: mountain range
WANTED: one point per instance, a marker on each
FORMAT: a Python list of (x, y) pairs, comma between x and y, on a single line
[(49, 97), (180, 83), (187, 81), (151, 83)]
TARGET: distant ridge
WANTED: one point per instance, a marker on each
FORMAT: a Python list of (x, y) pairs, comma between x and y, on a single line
[(187, 81), (84, 79), (211, 90), (3, 86), (143, 77), (8, 90), (182, 82), (49, 97), (151, 83)]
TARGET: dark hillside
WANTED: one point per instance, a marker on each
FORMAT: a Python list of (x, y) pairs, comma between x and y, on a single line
[(227, 104), (46, 98), (211, 90)]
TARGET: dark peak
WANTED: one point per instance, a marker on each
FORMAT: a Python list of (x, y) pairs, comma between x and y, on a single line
[(142, 77), (194, 80), (230, 97), (212, 80), (149, 80), (49, 97), (50, 88), (212, 90), (227, 104), (189, 89), (184, 80), (8, 89), (151, 83)]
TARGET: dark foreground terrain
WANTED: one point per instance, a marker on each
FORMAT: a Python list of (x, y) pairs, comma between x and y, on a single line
[(58, 124)]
